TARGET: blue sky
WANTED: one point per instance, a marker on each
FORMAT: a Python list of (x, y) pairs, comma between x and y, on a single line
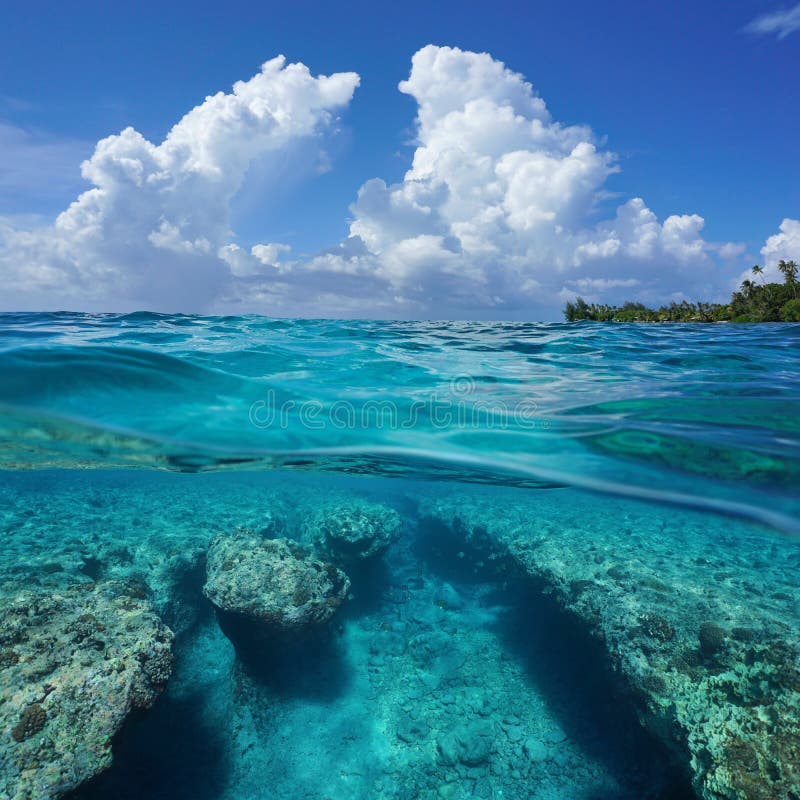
[(701, 114)]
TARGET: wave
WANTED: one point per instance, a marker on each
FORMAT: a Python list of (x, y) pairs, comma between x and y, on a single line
[(705, 416)]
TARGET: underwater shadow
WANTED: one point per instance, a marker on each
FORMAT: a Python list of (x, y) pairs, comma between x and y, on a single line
[(169, 753), (571, 670), (562, 662), (309, 666), (447, 554), (369, 581)]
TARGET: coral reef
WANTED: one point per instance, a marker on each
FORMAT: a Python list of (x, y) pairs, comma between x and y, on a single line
[(704, 634), (274, 582), (352, 529), (453, 672), (412, 698), (77, 658)]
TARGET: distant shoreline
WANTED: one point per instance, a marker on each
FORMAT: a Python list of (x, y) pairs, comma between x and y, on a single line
[(754, 302)]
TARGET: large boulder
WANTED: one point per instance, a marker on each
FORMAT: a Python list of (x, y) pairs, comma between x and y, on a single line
[(353, 530), (75, 661), (272, 582)]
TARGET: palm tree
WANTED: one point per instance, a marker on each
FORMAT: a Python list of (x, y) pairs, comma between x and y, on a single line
[(759, 272), (789, 270)]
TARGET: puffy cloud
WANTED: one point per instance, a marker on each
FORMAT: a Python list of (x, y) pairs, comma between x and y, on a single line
[(781, 22), (498, 214), (270, 254), (244, 264), (502, 212), (154, 230), (781, 246), (784, 245)]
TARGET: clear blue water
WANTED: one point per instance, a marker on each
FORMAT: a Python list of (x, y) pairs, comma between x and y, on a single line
[(670, 453)]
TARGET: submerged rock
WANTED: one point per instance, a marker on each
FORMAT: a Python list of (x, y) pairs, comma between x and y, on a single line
[(711, 638), (272, 582), (74, 662), (353, 530), (712, 668), (411, 730), (536, 750), (469, 744), (447, 597)]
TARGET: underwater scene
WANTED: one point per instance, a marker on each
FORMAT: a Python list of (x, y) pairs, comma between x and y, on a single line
[(253, 558)]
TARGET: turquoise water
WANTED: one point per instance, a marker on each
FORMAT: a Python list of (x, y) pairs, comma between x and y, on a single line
[(592, 591)]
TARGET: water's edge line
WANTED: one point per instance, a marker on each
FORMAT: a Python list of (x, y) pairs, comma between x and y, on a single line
[(781, 522)]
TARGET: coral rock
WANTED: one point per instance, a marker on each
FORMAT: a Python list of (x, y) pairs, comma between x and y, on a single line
[(76, 661), (273, 582), (353, 530), (726, 705)]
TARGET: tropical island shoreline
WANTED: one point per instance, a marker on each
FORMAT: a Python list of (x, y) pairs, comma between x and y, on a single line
[(754, 302)]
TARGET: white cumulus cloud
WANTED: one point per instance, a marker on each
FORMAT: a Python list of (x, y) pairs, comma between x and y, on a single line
[(149, 232), (781, 246), (503, 212), (499, 214)]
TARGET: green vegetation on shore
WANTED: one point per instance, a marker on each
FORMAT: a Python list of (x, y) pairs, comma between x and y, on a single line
[(754, 302)]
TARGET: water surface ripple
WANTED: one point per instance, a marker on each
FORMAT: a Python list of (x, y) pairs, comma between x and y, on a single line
[(701, 415)]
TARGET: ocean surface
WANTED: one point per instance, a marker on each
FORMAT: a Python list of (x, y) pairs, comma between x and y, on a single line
[(572, 553)]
